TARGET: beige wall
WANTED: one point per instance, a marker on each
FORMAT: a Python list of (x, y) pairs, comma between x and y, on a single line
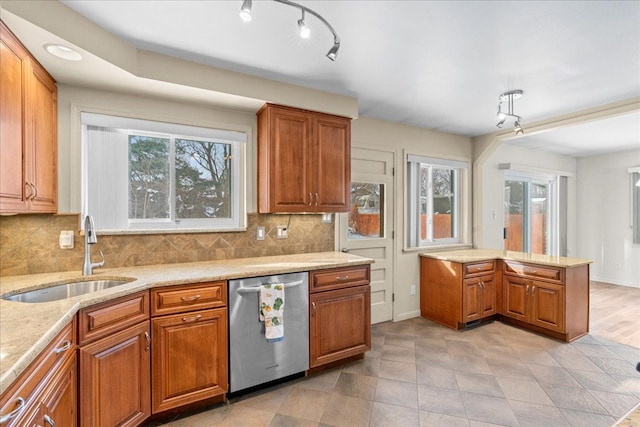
[(410, 140)]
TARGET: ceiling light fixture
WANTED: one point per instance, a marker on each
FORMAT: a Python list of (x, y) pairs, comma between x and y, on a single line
[(508, 98), (303, 29), (62, 52), (245, 11)]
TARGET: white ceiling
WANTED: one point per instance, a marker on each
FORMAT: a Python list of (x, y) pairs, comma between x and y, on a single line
[(433, 64)]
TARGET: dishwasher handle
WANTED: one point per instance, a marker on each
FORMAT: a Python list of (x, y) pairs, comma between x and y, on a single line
[(256, 289)]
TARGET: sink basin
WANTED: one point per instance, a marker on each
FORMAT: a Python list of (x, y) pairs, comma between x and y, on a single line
[(66, 290)]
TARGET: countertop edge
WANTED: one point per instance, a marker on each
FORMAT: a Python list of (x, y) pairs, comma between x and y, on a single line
[(65, 310), (525, 258)]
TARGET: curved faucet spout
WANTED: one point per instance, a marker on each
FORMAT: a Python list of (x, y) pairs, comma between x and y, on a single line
[(90, 238)]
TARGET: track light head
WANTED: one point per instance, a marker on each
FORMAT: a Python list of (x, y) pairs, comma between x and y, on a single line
[(333, 52), (518, 128), (304, 31), (501, 123), (245, 11)]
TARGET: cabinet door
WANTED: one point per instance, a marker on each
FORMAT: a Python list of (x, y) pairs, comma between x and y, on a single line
[(59, 407), (14, 73), (340, 324), (331, 164), (284, 162), (189, 357), (472, 300), (115, 379), (516, 292), (547, 305), (42, 138), (489, 301)]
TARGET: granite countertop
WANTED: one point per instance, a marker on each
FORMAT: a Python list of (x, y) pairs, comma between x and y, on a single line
[(476, 255), (27, 328)]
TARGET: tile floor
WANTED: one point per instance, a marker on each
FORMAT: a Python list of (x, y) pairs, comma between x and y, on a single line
[(419, 373)]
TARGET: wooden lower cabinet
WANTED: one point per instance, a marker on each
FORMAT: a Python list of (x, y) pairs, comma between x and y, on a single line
[(115, 383), (479, 298), (58, 407), (189, 358), (535, 302), (340, 324)]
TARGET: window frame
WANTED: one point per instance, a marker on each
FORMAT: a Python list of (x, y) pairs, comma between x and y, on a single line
[(414, 165), (634, 200), (238, 219)]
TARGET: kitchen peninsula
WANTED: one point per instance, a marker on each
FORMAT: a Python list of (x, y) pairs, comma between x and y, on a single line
[(543, 293)]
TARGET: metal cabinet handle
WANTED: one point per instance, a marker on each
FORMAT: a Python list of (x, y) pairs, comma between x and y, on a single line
[(193, 298), (313, 309), (317, 199), (310, 199), (191, 319), (341, 278), (49, 420), (27, 185), (526, 290), (11, 415), (36, 191), (65, 346), (148, 338), (482, 285)]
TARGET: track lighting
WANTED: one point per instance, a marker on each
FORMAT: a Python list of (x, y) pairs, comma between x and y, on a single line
[(509, 97), (303, 29), (245, 11), (333, 52)]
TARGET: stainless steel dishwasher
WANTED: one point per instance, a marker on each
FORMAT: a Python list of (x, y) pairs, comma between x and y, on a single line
[(252, 360)]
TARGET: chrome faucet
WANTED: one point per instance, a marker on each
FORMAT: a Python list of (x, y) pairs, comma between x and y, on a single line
[(90, 239)]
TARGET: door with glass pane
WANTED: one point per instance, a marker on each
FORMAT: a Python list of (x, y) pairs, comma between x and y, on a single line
[(527, 215), (367, 229)]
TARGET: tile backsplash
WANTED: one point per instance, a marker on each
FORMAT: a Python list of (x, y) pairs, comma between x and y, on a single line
[(29, 243)]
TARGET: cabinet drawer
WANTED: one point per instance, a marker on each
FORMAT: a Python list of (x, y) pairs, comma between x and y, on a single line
[(324, 280), (112, 316), (33, 381), (177, 299), (479, 268), (534, 271)]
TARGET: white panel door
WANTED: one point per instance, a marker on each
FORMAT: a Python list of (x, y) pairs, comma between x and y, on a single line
[(367, 229)]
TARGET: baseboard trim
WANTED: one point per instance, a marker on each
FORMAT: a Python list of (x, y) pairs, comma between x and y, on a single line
[(407, 315), (614, 282)]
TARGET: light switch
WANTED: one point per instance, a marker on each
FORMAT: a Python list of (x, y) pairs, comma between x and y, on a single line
[(260, 233)]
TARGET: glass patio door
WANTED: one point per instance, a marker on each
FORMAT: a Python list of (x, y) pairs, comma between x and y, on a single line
[(527, 215)]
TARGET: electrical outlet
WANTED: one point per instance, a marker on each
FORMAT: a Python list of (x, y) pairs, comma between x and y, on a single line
[(259, 233), (413, 289), (281, 232)]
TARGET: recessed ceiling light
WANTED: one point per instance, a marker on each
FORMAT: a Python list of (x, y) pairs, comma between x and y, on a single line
[(63, 52)]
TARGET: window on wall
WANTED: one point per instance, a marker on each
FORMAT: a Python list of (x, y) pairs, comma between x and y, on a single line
[(433, 201), (145, 175)]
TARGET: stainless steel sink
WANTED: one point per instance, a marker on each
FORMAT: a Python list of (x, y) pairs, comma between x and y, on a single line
[(66, 290)]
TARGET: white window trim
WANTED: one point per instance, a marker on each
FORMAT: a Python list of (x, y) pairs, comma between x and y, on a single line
[(462, 204), (169, 226)]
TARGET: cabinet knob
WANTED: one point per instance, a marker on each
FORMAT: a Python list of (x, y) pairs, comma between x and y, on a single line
[(313, 309), (11, 415)]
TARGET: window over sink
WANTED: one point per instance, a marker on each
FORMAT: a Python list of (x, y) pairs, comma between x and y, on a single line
[(148, 175)]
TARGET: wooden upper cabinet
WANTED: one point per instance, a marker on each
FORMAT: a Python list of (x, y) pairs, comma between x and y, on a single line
[(304, 161), (28, 110)]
